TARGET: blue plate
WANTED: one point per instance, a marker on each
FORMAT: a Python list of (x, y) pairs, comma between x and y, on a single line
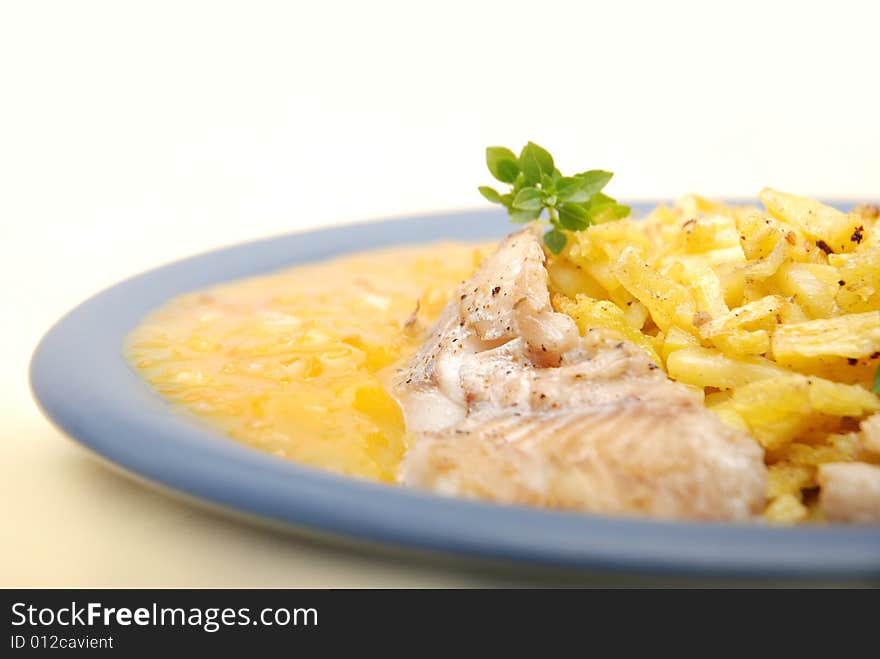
[(84, 385)]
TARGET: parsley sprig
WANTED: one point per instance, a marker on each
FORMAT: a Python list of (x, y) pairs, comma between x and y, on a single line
[(571, 202)]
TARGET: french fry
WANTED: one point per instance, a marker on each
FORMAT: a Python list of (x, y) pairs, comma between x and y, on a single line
[(833, 447), (851, 336), (775, 410), (773, 314), (636, 312), (741, 343), (705, 286), (666, 300), (759, 235), (766, 266), (677, 339), (786, 509), (779, 409), (588, 313), (821, 223), (710, 233), (711, 368), (786, 477), (757, 315), (860, 277), (813, 286), (841, 399), (733, 281), (571, 279)]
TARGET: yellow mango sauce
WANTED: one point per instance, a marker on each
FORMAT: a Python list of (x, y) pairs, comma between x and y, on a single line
[(293, 362)]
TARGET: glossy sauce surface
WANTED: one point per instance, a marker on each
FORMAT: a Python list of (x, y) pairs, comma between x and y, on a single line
[(293, 362)]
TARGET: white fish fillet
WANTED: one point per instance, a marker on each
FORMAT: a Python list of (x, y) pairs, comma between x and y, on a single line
[(507, 402), (850, 492), (870, 435)]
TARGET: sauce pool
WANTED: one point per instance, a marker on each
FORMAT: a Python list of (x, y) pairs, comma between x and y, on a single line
[(293, 362)]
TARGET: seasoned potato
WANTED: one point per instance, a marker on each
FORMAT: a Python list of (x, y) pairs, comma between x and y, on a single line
[(773, 314), (571, 279), (705, 286), (786, 509), (677, 339), (824, 224), (762, 314), (859, 279), (712, 368), (786, 477), (812, 285), (779, 409), (588, 313), (852, 336), (775, 410), (667, 301)]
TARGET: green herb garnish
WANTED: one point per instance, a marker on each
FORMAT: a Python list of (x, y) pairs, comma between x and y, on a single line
[(876, 387), (572, 202)]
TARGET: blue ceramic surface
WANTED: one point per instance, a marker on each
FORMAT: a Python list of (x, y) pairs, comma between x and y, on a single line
[(83, 384)]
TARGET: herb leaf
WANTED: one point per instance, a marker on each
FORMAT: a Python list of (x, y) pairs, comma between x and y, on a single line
[(594, 180), (572, 203), (502, 163), (524, 216), (605, 209), (490, 194), (621, 211), (529, 199), (535, 161), (876, 386), (574, 217), (555, 240), (571, 188)]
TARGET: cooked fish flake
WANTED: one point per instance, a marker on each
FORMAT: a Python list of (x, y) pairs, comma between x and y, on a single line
[(507, 402)]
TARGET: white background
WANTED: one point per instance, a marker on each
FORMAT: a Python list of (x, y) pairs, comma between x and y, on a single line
[(135, 133)]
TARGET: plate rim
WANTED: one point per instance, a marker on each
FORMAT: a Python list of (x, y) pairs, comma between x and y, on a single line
[(164, 446)]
